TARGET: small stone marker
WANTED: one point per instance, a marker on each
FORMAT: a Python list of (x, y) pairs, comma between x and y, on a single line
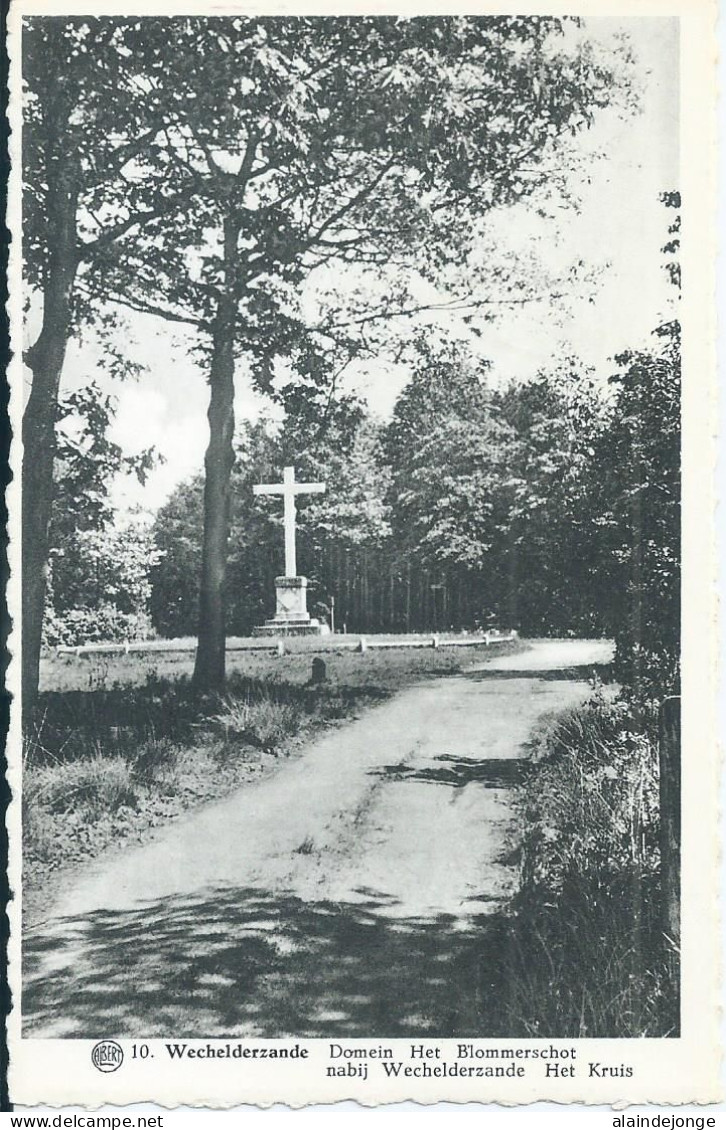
[(319, 674)]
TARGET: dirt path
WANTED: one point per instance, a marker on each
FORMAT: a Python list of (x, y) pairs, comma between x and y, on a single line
[(356, 891)]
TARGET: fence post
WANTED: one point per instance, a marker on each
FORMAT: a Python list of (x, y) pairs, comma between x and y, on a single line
[(670, 816)]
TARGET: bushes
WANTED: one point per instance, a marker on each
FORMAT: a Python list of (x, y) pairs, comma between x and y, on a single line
[(639, 470), (105, 624)]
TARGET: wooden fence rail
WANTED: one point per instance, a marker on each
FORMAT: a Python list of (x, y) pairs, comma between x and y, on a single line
[(276, 645)]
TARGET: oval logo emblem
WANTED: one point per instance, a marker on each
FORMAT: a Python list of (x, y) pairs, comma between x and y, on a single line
[(107, 1055)]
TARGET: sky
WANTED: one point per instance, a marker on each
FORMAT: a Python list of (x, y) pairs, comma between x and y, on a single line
[(616, 232)]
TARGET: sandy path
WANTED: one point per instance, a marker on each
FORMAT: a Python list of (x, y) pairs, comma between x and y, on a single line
[(349, 893)]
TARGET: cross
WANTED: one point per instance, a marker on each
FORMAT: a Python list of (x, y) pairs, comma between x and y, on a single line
[(288, 488)]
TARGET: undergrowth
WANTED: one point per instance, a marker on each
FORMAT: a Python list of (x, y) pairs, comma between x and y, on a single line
[(585, 954)]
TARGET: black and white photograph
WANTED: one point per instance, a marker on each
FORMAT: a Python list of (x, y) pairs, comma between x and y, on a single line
[(350, 503)]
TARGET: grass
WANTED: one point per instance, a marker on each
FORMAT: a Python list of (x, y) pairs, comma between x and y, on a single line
[(120, 744), (585, 953)]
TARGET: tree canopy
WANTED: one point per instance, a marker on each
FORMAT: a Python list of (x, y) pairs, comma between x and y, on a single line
[(201, 169)]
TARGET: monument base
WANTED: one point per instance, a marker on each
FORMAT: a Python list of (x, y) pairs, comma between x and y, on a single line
[(284, 628), (291, 615)]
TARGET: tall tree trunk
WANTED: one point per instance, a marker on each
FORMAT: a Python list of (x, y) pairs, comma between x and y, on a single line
[(45, 359), (209, 668)]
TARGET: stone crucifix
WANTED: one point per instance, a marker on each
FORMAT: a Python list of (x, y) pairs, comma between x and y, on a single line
[(288, 488)]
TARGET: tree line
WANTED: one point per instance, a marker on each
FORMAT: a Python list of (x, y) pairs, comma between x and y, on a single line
[(551, 506), (201, 170)]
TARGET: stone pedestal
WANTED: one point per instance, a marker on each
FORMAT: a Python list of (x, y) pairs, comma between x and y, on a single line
[(291, 614)]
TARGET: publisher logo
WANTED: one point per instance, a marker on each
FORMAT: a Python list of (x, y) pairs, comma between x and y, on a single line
[(107, 1055)]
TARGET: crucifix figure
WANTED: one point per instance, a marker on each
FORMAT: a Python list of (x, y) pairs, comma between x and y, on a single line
[(288, 488)]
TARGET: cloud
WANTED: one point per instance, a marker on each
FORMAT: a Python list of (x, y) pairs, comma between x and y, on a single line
[(142, 421)]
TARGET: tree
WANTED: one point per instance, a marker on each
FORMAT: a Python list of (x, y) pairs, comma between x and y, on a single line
[(100, 586), (492, 492), (639, 477), (448, 450), (378, 142), (87, 117), (549, 564), (255, 543), (640, 472), (177, 534)]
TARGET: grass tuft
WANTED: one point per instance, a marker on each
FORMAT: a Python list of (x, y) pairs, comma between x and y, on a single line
[(95, 784), (264, 723)]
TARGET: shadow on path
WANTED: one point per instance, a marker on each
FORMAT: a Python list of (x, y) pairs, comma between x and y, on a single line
[(602, 671), (245, 962), (448, 769)]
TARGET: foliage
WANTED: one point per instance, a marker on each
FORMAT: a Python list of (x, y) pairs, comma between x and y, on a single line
[(467, 488), (98, 574), (549, 565), (86, 117), (216, 163), (374, 141), (351, 513), (105, 568), (492, 490), (548, 505), (86, 461), (448, 451), (639, 475), (177, 533), (296, 143)]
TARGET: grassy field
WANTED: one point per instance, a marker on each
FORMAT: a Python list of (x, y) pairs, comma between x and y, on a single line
[(121, 744), (388, 667)]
